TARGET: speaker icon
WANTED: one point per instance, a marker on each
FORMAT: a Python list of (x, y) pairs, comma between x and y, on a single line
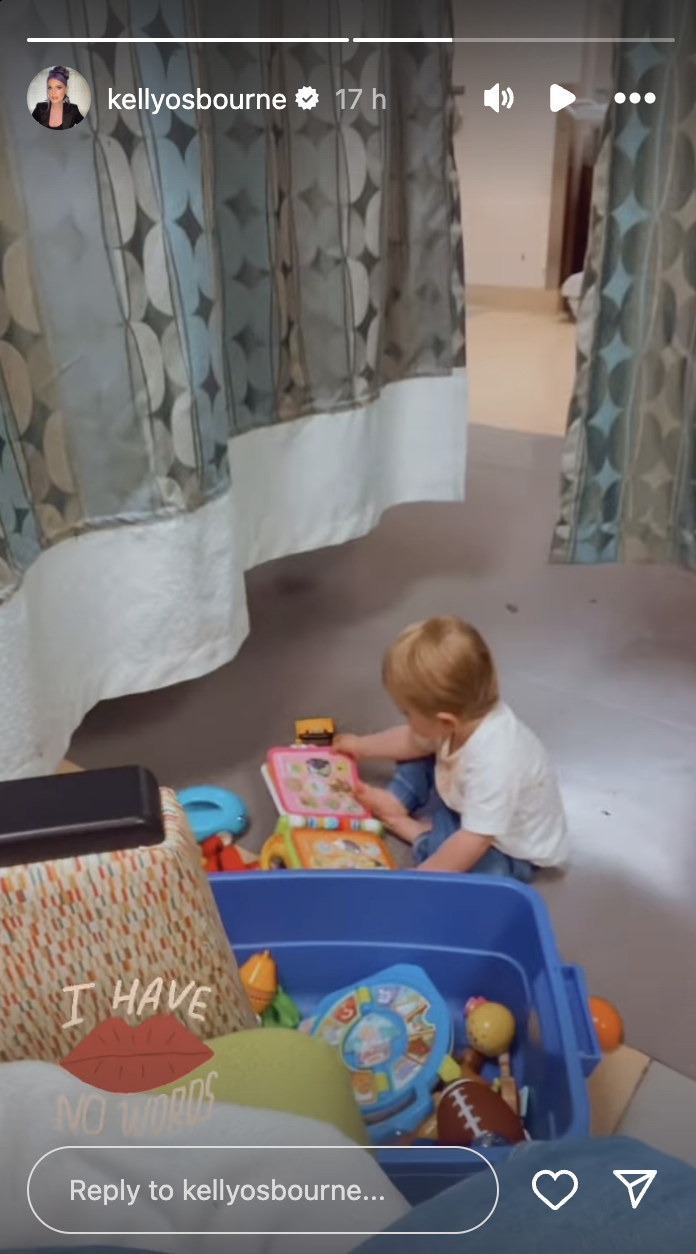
[(493, 97)]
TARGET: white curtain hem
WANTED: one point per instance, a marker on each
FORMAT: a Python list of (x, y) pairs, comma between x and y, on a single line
[(136, 608)]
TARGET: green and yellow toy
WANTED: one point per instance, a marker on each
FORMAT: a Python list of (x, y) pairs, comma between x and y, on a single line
[(319, 848)]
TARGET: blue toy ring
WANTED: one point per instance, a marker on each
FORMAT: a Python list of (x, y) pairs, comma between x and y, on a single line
[(211, 810)]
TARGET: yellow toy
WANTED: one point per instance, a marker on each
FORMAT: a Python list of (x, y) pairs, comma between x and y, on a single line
[(260, 980), (491, 1029), (449, 1070), (324, 849), (315, 731)]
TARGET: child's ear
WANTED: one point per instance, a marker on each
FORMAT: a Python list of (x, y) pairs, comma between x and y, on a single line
[(447, 722)]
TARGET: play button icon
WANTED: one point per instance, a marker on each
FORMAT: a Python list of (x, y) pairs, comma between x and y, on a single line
[(560, 98)]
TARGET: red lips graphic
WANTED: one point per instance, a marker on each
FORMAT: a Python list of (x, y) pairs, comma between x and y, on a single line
[(120, 1059)]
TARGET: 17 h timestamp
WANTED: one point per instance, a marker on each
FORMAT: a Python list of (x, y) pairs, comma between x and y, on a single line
[(379, 101)]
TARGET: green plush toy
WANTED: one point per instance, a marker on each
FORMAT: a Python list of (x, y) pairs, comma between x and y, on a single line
[(280, 1070), (282, 1012)]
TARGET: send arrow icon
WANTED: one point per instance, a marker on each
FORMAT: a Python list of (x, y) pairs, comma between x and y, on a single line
[(636, 1178)]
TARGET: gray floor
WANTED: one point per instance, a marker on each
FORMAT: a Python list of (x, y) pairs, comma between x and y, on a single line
[(601, 662)]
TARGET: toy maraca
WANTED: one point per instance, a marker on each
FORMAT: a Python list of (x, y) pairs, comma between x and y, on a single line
[(491, 1028)]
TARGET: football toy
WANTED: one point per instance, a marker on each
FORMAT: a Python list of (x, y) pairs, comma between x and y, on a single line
[(469, 1111)]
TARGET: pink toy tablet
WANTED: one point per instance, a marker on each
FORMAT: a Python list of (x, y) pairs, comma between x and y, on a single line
[(315, 783)]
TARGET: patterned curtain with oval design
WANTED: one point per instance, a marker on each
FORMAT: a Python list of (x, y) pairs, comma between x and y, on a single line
[(215, 271), (629, 480), (252, 311)]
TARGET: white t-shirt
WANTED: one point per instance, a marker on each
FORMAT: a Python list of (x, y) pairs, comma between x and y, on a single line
[(503, 785)]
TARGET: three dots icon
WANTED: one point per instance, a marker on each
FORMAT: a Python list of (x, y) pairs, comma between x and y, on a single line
[(635, 97)]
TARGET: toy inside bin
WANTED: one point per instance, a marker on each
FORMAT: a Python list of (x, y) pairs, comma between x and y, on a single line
[(393, 1032), (472, 936)]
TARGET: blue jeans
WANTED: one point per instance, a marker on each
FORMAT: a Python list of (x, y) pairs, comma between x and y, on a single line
[(413, 784), (599, 1217)]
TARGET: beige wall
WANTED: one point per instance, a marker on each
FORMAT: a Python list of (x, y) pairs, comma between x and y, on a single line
[(505, 160)]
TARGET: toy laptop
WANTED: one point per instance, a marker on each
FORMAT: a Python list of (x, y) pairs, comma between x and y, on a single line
[(317, 784), (393, 1032), (324, 848)]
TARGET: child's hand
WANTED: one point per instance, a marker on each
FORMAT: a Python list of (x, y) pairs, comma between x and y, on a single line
[(348, 743)]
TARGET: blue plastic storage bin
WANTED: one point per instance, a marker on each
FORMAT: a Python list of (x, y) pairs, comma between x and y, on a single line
[(472, 935)]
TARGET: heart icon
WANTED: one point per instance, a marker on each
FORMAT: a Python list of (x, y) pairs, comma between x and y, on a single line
[(554, 1176)]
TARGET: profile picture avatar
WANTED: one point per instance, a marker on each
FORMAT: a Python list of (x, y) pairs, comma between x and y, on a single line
[(59, 98)]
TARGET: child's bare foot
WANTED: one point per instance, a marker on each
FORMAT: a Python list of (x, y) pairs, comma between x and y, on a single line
[(380, 802), (390, 811)]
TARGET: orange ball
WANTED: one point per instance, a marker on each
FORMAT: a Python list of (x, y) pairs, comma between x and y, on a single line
[(608, 1024)]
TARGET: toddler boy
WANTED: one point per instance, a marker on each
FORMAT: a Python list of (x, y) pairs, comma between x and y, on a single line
[(474, 789)]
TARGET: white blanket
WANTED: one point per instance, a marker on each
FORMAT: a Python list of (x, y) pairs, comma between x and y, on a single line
[(43, 1108)]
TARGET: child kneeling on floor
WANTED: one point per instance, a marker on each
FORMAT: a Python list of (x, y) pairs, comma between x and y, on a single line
[(474, 789)]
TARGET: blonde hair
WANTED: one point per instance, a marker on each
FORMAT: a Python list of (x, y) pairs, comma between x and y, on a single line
[(442, 666)]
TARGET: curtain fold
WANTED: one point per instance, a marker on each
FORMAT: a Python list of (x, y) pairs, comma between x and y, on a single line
[(225, 334), (629, 476)]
